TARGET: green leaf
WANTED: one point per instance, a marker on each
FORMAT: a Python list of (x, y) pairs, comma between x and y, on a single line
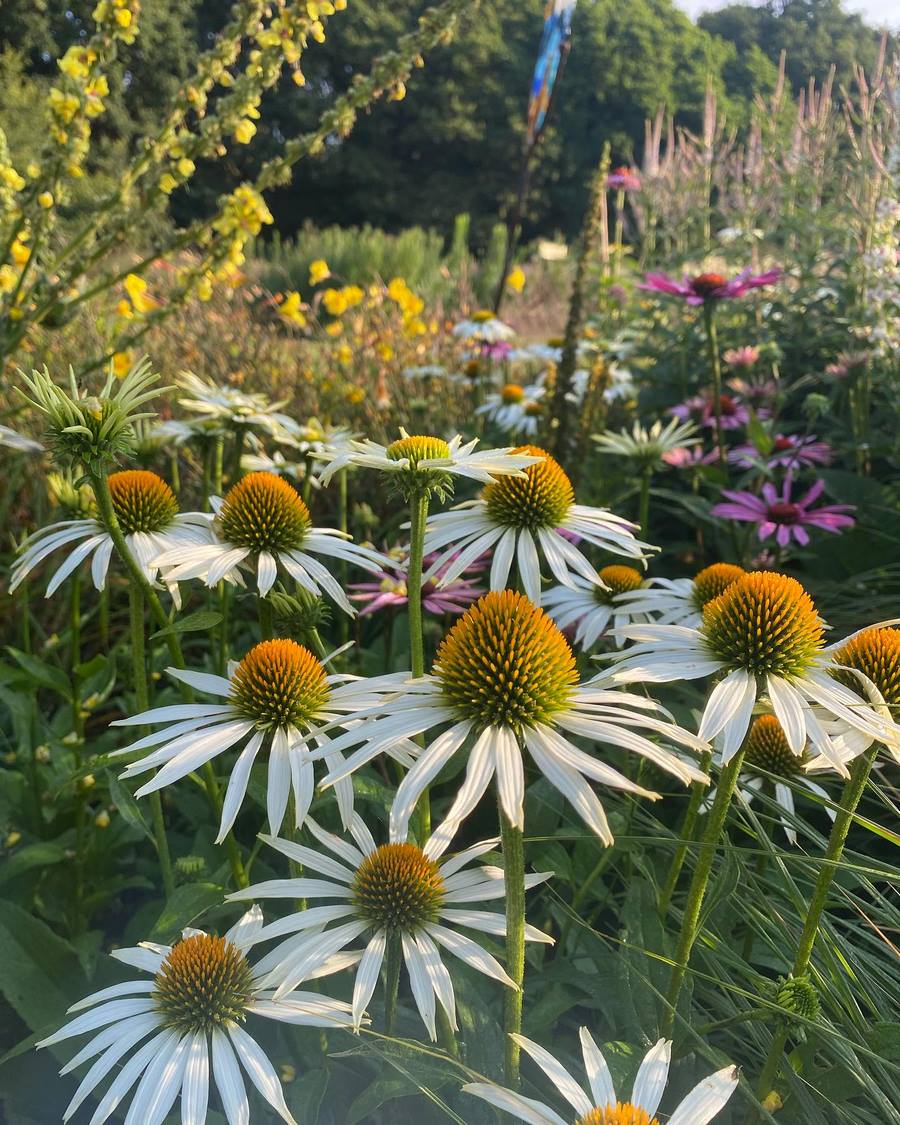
[(39, 971), (44, 853), (127, 806), (45, 675), (199, 622), (185, 904), (305, 1096)]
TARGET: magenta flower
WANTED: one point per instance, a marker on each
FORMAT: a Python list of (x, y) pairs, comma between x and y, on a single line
[(788, 452), (709, 286), (741, 357), (754, 390), (690, 457), (786, 518), (389, 591), (700, 409), (624, 179)]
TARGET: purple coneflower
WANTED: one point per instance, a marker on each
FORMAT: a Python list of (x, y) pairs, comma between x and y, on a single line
[(684, 457), (709, 286), (624, 179), (788, 519), (789, 451), (847, 362), (390, 592), (754, 391), (741, 357), (701, 409)]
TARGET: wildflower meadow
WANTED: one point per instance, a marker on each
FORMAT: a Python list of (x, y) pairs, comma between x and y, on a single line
[(448, 672)]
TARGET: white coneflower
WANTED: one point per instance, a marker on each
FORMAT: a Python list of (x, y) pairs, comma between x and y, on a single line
[(483, 327), (680, 601), (514, 409), (770, 762), (398, 892), (147, 512), (523, 518), (648, 445), (505, 678), (10, 439), (237, 409), (263, 524), (764, 636), (271, 701), (602, 1106), (277, 463), (423, 454), (189, 1015), (591, 609)]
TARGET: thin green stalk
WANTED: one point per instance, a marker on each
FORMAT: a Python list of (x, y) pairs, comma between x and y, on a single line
[(231, 845), (392, 964), (690, 923), (342, 565), (418, 512), (78, 729), (103, 617), (266, 619), (237, 452), (142, 700), (218, 464), (644, 505), (712, 345), (850, 798), (691, 816), (514, 883)]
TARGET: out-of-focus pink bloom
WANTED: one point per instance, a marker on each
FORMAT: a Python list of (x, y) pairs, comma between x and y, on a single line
[(494, 349), (709, 286), (778, 514), (741, 357), (685, 458), (700, 409), (389, 591), (754, 390), (847, 362), (624, 179), (789, 451)]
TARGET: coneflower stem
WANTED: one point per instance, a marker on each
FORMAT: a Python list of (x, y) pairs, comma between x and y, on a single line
[(418, 517), (644, 506), (514, 883), (78, 730), (712, 346), (266, 619), (142, 701), (850, 799), (392, 963), (692, 813), (342, 565), (690, 923)]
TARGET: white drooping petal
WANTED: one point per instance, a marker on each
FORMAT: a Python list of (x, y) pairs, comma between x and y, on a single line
[(558, 1075), (707, 1098), (367, 975), (602, 1089), (518, 1107), (650, 1082)]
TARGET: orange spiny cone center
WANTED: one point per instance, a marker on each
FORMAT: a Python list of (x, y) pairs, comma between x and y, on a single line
[(142, 501), (540, 498), (263, 512), (279, 684), (204, 984)]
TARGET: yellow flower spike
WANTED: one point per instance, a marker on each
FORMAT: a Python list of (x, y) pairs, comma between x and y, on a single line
[(244, 131), (136, 288), (167, 183), (318, 271), (291, 309), (45, 200)]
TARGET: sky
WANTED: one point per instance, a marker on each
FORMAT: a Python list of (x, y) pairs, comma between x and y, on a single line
[(877, 12)]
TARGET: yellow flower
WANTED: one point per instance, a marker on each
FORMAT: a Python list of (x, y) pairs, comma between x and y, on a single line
[(101, 820), (167, 183), (398, 93), (345, 354), (33, 170), (414, 327), (136, 288), (355, 395), (12, 839), (291, 309), (124, 309), (45, 200), (353, 295), (318, 271), (11, 177), (335, 328), (185, 167), (516, 279), (122, 362), (77, 62), (334, 301), (20, 252), (385, 351), (64, 106), (244, 131)]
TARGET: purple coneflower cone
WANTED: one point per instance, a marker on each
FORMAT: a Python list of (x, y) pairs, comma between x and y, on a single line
[(777, 514)]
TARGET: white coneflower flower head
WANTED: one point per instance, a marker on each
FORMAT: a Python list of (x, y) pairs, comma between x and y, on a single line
[(649, 445), (602, 1106), (92, 429), (680, 601), (235, 408)]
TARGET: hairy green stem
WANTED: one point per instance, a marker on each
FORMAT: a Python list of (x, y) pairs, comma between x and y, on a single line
[(850, 799), (514, 883), (690, 923)]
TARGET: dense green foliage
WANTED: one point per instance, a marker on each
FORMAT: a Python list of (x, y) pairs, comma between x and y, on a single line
[(455, 146)]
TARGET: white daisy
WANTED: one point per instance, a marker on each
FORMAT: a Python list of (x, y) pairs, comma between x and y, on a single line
[(277, 463), (13, 440), (237, 409), (521, 518), (148, 515), (680, 601), (263, 524), (593, 609), (189, 1016), (770, 764), (397, 892), (764, 636), (514, 409), (484, 328), (413, 453), (504, 680), (601, 1106), (271, 702)]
